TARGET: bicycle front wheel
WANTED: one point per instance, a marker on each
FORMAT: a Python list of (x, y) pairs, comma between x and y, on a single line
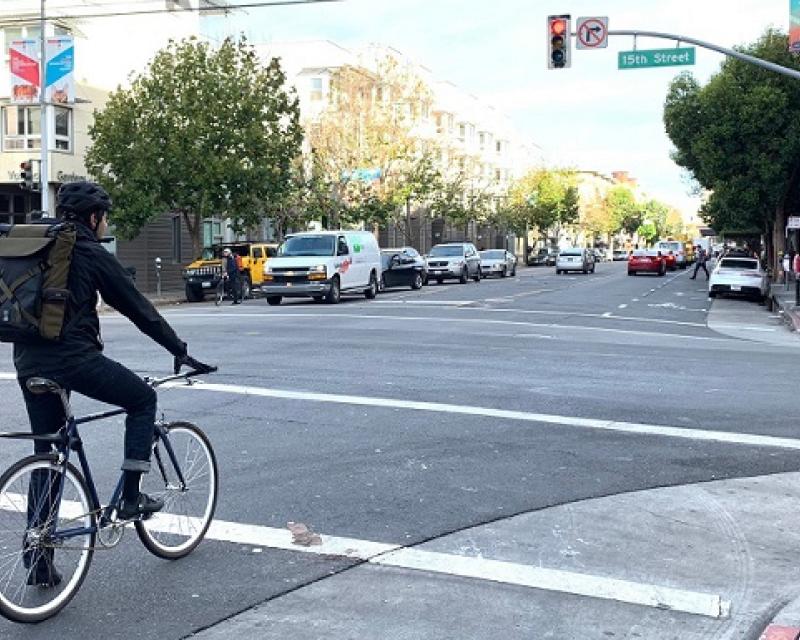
[(220, 293), (189, 505), (47, 535)]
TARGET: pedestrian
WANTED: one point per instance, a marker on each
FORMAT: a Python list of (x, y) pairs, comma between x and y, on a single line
[(702, 258), (232, 271), (76, 363), (786, 267)]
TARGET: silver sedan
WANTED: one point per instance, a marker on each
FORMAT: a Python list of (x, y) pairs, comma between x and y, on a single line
[(498, 262)]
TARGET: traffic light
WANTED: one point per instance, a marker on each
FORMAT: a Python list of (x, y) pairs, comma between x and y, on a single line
[(558, 42), (26, 175)]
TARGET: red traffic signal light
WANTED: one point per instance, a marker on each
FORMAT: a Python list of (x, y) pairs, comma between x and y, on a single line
[(558, 41), (26, 174), (558, 27)]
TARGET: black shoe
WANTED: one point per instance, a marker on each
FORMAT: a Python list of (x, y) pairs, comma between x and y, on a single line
[(144, 506)]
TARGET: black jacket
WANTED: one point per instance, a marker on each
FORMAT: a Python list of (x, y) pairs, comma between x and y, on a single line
[(94, 270)]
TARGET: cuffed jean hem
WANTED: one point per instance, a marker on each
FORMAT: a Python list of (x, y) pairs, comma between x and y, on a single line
[(130, 464)]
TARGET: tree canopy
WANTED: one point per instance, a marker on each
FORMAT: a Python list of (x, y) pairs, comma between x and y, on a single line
[(202, 132), (739, 137)]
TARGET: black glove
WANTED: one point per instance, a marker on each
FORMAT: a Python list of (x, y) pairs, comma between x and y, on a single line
[(186, 360)]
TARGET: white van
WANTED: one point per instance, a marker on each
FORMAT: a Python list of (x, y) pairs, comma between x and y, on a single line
[(323, 265), (676, 248)]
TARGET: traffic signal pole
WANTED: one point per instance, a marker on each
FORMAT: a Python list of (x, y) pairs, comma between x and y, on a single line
[(43, 127), (771, 66)]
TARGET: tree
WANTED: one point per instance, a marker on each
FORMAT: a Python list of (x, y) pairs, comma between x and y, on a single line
[(202, 132), (624, 211), (739, 137), (368, 128), (545, 199)]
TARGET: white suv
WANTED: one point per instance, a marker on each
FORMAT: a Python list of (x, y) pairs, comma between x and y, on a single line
[(675, 248)]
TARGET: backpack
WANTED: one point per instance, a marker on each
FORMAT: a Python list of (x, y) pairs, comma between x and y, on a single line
[(35, 261), (238, 259)]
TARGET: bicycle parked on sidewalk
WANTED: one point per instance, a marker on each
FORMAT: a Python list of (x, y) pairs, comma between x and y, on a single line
[(50, 510)]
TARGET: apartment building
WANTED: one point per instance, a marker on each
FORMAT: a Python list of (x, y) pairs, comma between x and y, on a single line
[(472, 137)]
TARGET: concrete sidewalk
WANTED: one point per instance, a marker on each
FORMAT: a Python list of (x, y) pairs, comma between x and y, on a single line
[(783, 301), (710, 560)]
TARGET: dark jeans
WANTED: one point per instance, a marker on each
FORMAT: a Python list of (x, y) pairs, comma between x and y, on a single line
[(235, 287), (697, 267), (107, 381)]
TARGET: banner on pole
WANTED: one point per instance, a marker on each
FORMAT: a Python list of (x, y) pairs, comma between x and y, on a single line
[(794, 25), (23, 57), (60, 76)]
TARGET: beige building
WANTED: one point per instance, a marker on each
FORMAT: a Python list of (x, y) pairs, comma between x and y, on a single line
[(107, 50), (472, 137)]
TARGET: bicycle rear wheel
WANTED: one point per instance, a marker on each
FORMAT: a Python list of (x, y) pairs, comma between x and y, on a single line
[(40, 571), (180, 526), (220, 293)]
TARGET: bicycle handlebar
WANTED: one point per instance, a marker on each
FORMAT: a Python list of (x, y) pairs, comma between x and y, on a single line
[(157, 382)]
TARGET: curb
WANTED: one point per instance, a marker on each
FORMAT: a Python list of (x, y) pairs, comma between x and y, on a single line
[(779, 632)]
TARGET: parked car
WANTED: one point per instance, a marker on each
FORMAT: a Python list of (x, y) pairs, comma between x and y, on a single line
[(675, 248), (403, 267), (600, 255), (323, 265), (575, 259), (542, 257), (647, 261), (739, 276), (620, 254), (498, 262), (454, 260)]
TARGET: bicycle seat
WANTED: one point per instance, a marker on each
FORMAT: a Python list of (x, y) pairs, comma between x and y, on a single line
[(42, 385)]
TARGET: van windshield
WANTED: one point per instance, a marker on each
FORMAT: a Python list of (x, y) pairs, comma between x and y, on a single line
[(296, 246)]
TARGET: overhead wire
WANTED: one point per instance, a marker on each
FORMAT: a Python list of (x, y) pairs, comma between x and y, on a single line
[(200, 9)]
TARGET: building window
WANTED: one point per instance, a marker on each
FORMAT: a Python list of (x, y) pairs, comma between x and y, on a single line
[(21, 130), (177, 258), (63, 128), (316, 89)]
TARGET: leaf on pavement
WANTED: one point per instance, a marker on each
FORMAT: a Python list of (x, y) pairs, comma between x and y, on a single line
[(302, 535)]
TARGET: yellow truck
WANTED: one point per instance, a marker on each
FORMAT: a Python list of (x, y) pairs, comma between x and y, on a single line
[(203, 275)]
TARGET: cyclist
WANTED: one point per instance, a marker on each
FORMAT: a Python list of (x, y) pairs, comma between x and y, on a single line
[(76, 362)]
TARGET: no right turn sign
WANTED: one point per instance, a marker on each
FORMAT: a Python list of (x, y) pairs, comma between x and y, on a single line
[(592, 33)]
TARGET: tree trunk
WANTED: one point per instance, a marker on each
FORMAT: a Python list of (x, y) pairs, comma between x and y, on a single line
[(193, 224), (779, 230)]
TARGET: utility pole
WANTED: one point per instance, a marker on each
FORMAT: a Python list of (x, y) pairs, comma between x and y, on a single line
[(44, 186)]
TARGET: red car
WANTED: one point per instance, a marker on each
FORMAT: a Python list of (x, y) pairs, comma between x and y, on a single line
[(648, 261)]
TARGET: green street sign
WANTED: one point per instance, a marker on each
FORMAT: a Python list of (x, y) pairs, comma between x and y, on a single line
[(643, 59)]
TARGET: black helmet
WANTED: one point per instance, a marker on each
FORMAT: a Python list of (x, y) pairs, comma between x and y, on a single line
[(81, 199)]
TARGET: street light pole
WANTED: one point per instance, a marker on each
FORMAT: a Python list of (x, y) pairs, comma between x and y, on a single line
[(43, 169)]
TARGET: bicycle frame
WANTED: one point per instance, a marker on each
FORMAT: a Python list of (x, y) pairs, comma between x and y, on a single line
[(68, 439)]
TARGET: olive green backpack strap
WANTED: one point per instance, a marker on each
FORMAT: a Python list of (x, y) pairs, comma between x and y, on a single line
[(55, 291)]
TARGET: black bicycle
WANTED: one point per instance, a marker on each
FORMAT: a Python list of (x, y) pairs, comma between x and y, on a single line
[(51, 519)]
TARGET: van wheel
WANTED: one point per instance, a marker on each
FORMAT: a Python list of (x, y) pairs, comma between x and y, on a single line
[(273, 301), (417, 282), (372, 290), (335, 293)]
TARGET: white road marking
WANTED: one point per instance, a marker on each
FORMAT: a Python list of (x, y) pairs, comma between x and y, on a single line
[(429, 320), (505, 414), (392, 555), (622, 306)]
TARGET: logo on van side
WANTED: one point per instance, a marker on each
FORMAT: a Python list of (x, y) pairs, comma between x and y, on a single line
[(343, 266)]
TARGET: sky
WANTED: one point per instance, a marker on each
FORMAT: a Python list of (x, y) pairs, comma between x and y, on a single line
[(591, 116)]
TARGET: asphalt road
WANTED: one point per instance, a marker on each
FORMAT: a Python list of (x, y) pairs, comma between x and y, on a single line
[(420, 416)]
